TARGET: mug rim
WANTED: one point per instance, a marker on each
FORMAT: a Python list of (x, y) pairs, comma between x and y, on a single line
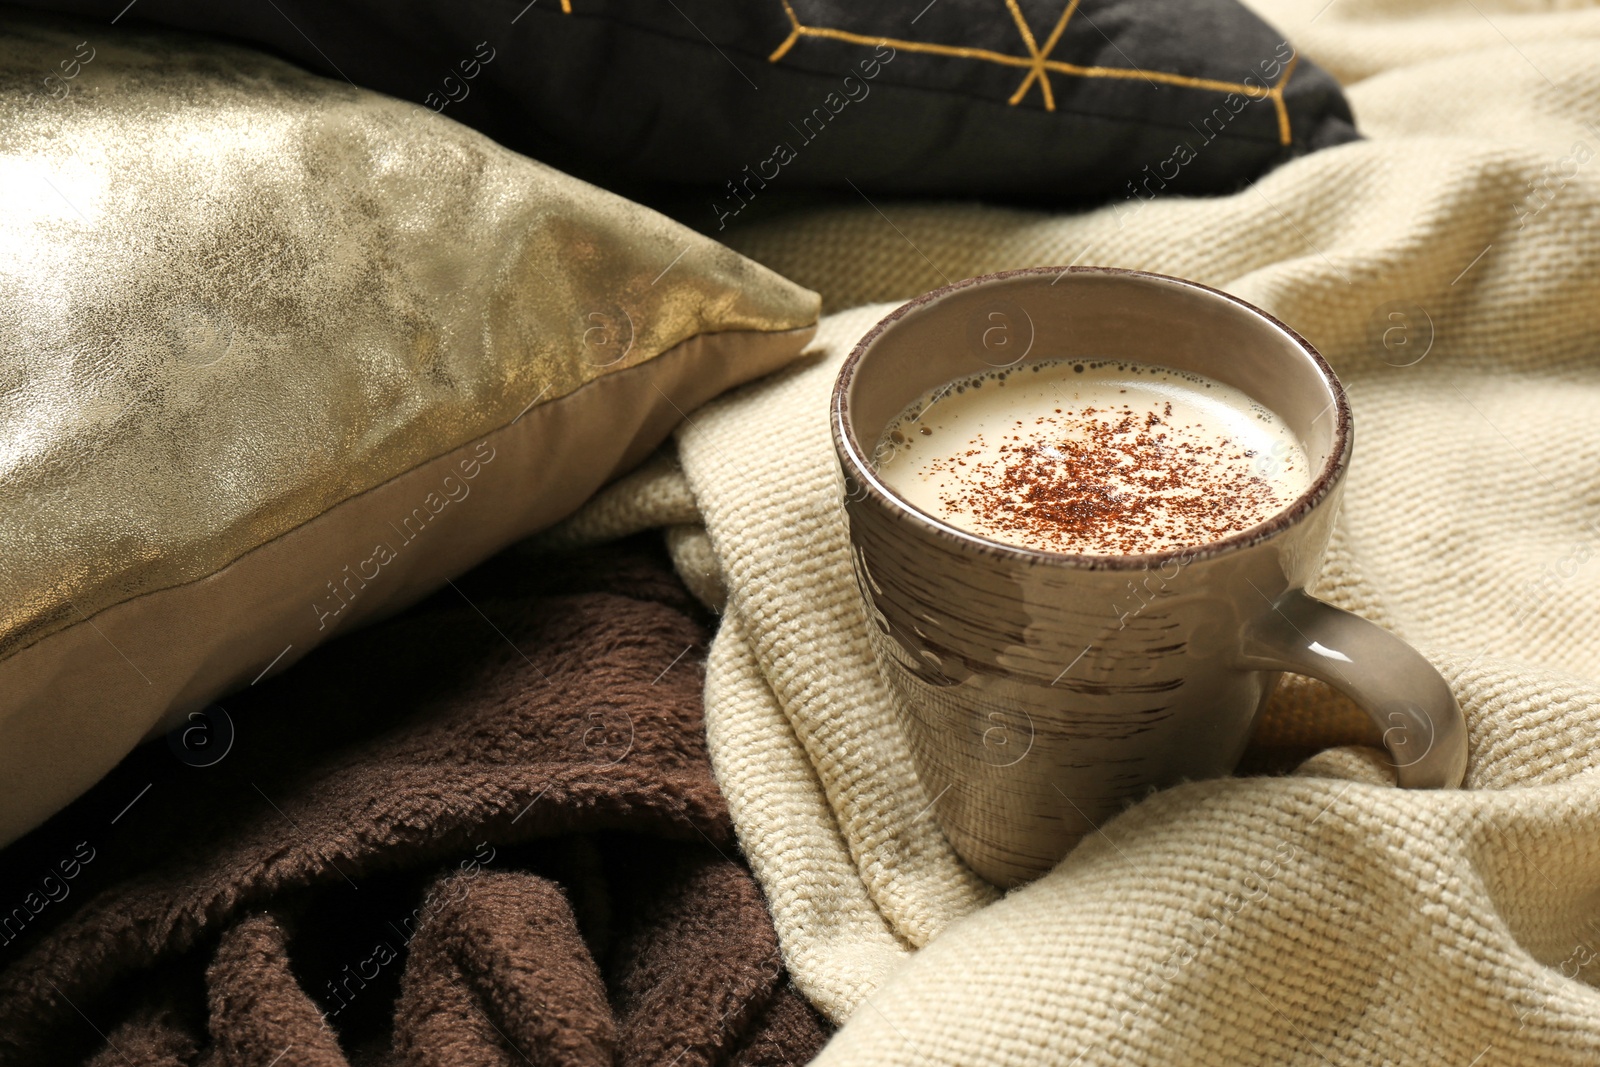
[(847, 447)]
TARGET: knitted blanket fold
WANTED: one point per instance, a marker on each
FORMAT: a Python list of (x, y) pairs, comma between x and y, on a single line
[(482, 832), (1448, 267)]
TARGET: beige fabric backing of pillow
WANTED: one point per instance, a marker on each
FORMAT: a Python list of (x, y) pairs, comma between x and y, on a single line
[(1326, 916), (279, 356)]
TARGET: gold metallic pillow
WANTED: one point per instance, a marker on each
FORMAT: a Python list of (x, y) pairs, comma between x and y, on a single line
[(279, 355)]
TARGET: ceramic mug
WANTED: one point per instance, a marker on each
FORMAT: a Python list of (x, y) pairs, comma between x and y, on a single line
[(1043, 691)]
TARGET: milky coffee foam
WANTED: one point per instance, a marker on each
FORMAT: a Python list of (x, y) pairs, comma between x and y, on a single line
[(1095, 457)]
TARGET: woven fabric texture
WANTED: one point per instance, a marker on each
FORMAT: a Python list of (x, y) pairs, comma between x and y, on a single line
[(1323, 916)]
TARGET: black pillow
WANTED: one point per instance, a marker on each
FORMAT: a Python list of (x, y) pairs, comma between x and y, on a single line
[(750, 99)]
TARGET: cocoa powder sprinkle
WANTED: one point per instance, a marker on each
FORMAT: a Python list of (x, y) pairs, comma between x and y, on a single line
[(1116, 481)]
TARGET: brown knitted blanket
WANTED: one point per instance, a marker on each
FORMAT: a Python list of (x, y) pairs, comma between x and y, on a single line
[(483, 832)]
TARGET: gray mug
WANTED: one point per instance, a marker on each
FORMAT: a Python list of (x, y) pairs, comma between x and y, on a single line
[(1042, 692)]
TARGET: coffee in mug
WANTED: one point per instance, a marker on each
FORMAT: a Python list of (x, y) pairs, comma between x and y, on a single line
[(1093, 456), (1082, 584)]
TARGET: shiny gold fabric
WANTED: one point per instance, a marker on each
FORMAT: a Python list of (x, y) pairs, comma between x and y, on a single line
[(233, 294)]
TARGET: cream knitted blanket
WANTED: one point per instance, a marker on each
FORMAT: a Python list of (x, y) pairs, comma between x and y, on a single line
[(1319, 917)]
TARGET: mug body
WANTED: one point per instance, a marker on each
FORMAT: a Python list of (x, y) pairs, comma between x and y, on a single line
[(1042, 692)]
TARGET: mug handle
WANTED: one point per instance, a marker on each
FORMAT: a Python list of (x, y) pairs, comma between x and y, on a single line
[(1423, 728)]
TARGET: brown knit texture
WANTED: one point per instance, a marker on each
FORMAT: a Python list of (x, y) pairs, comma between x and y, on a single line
[(482, 832)]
